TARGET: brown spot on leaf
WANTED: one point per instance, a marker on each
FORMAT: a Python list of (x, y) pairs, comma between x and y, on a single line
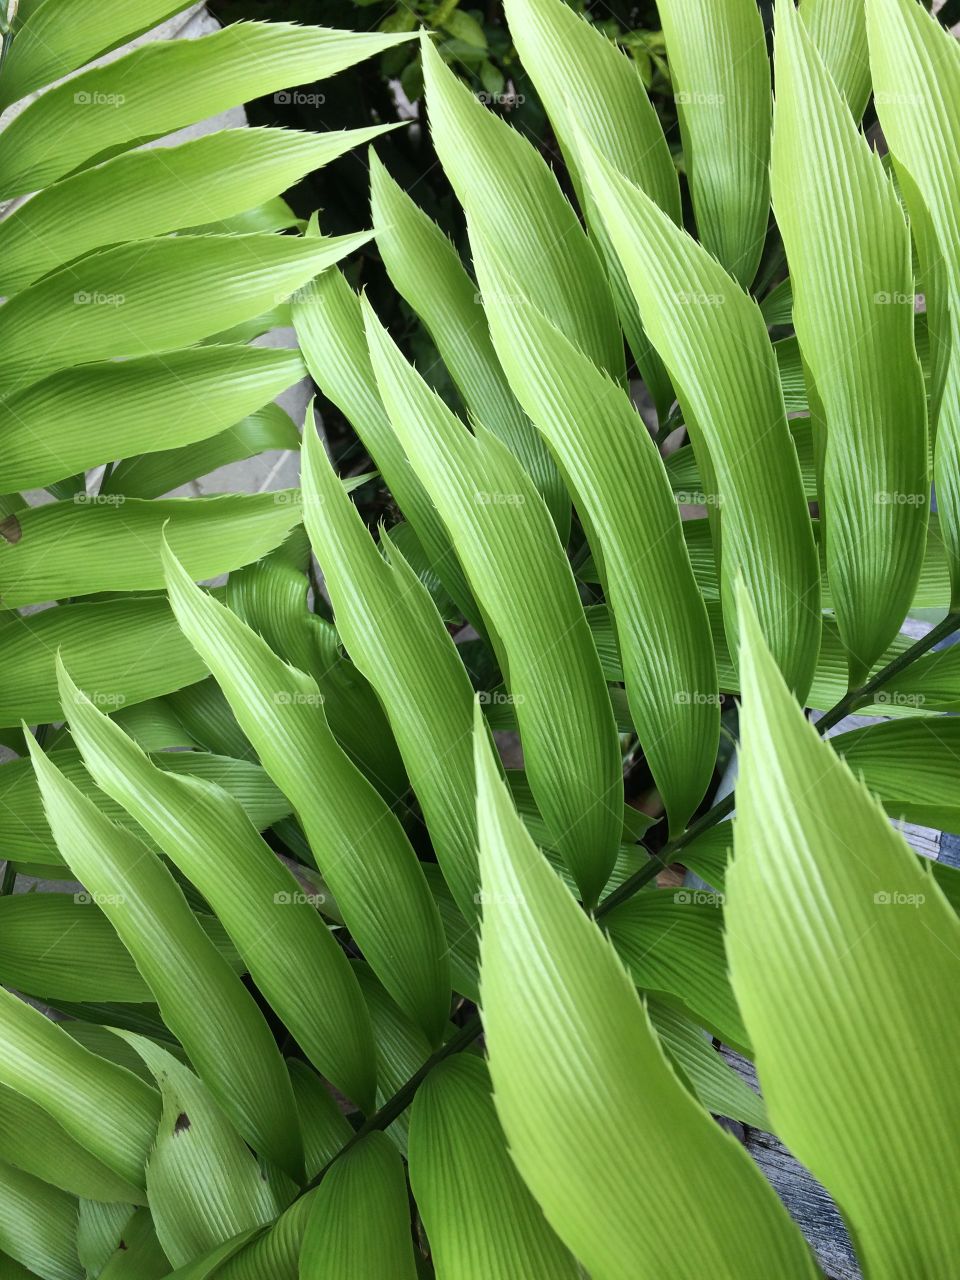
[(182, 1124), (123, 1244), (10, 529)]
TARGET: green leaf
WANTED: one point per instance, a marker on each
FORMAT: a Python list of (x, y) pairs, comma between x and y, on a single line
[(425, 269), (202, 1002), (38, 1225), (60, 35), (844, 956), (912, 766), (482, 1222), (359, 1223), (615, 472), (848, 246), (329, 324), (358, 842), (61, 946), (695, 1059), (104, 1107), (138, 1255), (402, 1048), (721, 79), (24, 832), (287, 948), (111, 543), (715, 344), (577, 68), (838, 28), (150, 193), (523, 582), (511, 195), (916, 77), (392, 631), (79, 418), (110, 108), (32, 1140), (569, 1044), (326, 1130), (152, 296), (274, 1253), (462, 941), (271, 597), (671, 940), (152, 474), (204, 1184), (100, 1229)]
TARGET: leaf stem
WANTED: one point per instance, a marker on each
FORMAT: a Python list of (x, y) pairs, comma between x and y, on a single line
[(398, 1103), (847, 704), (9, 879), (856, 697)]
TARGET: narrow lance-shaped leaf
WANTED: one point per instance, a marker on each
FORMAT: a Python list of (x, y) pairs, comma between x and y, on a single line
[(715, 344), (839, 30), (845, 958), (916, 74), (579, 70), (138, 1255), (34, 1141), (152, 296), (509, 547), (911, 765), (358, 842), (329, 324), (38, 1225), (203, 1003), (125, 650), (60, 946), (721, 77), (426, 270), (129, 101), (57, 37), (288, 949), (152, 192), (392, 630), (718, 1086), (671, 940), (510, 193), (590, 1107), (204, 1183), (848, 247), (614, 468), (103, 1106), (482, 1222), (359, 1223), (148, 475), (101, 1227), (82, 417), (106, 542)]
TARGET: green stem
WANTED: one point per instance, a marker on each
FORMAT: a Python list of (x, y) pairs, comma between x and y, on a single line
[(857, 697), (9, 879), (847, 704), (398, 1103)]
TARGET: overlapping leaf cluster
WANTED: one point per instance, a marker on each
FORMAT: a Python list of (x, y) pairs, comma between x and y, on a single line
[(247, 1047)]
